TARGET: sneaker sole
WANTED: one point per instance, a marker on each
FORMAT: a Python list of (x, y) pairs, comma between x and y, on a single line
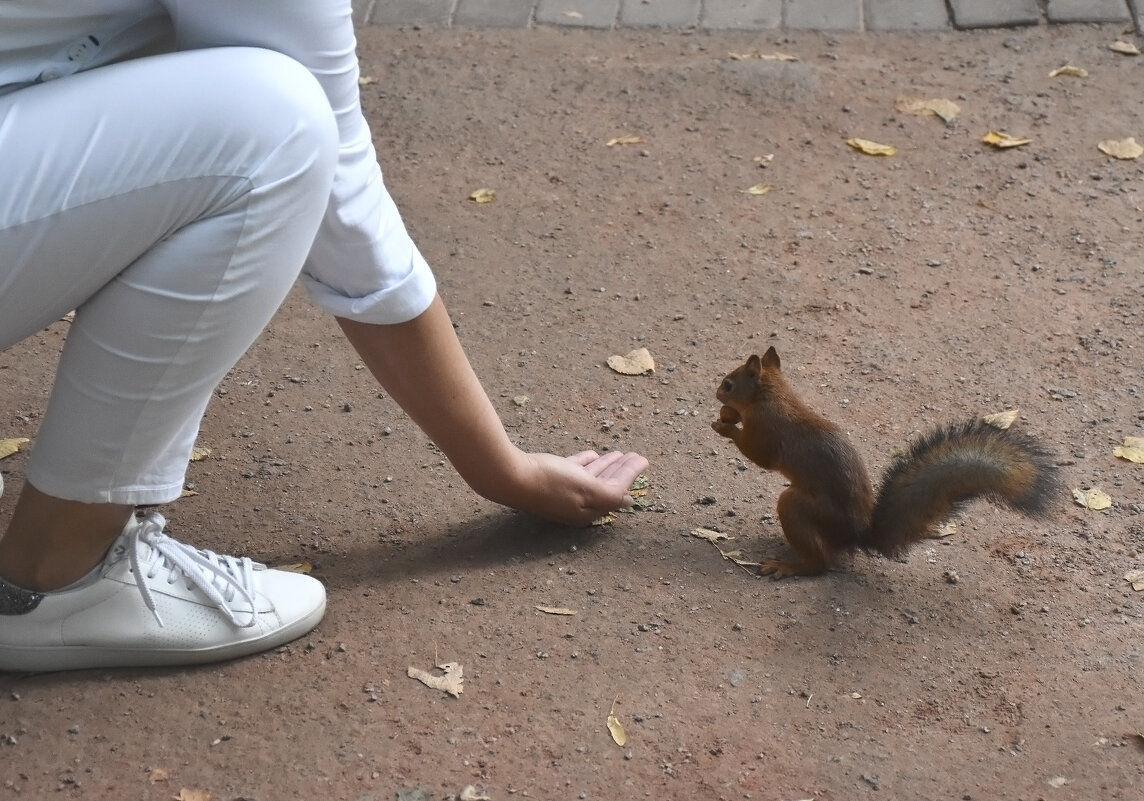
[(43, 659)]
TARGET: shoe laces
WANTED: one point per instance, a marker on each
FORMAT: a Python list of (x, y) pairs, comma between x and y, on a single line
[(220, 578)]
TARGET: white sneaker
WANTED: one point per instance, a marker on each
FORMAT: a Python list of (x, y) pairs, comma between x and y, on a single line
[(156, 601)]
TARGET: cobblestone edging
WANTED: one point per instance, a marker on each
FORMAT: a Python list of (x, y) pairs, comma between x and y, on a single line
[(817, 15)]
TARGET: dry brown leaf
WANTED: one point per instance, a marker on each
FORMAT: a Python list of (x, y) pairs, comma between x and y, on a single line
[(947, 110), (305, 566), (451, 682), (1095, 499), (1002, 140), (199, 453), (626, 140), (736, 556), (1070, 70), (1132, 450), (606, 520), (637, 362), (192, 794), (471, 793), (11, 446), (1136, 579), (1126, 149), (1124, 48), (709, 535), (159, 775), (871, 148), (483, 195), (555, 610), (758, 189), (1002, 419), (615, 727)]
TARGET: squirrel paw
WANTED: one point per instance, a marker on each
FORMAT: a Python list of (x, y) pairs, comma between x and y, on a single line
[(724, 429), (786, 568)]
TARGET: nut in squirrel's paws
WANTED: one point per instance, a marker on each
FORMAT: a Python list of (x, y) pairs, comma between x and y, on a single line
[(727, 422)]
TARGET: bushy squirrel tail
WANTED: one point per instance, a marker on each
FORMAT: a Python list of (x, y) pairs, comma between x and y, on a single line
[(950, 466)]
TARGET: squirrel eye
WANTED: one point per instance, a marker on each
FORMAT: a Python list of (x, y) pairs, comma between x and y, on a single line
[(727, 385)]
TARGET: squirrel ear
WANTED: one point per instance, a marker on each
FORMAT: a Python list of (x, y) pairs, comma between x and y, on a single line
[(771, 358), (754, 366)]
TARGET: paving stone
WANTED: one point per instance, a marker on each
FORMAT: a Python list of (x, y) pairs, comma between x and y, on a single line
[(994, 13), (578, 13), (823, 15), (659, 13), (411, 12), (493, 13), (1087, 11), (906, 15), (747, 15)]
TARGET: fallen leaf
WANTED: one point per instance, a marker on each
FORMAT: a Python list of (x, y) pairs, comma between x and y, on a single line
[(305, 566), (709, 535), (761, 57), (199, 453), (1136, 579), (1002, 419), (1132, 450), (555, 610), (1126, 48), (639, 486), (573, 15), (617, 729), (947, 110), (450, 682), (765, 160), (946, 529), (625, 140), (1002, 140), (607, 519), (758, 189), (366, 80), (520, 400), (483, 195), (159, 775), (871, 148), (736, 556), (11, 446), (192, 794), (1094, 498), (1126, 149), (637, 362), (1069, 69), (471, 793)]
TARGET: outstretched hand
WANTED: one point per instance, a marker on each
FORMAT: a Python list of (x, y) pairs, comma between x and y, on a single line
[(577, 489)]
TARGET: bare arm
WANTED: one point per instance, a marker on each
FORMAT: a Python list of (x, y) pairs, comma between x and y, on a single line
[(451, 407)]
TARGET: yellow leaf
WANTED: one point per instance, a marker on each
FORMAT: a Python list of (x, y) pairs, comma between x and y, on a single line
[(625, 140), (199, 453), (482, 195), (637, 362), (1069, 69), (871, 148), (1132, 450), (617, 729), (606, 520), (1002, 419), (1136, 579), (192, 794), (1126, 149), (305, 566), (1126, 48), (758, 189), (1000, 139), (947, 110), (555, 610), (709, 535), (11, 446), (451, 682), (1095, 499), (762, 57)]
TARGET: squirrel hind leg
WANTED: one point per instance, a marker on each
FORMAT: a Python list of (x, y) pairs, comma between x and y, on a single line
[(787, 568)]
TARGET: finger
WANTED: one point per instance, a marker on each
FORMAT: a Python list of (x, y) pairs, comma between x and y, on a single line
[(623, 470), (600, 464), (583, 458)]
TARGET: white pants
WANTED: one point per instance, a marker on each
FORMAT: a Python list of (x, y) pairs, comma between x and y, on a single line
[(171, 201)]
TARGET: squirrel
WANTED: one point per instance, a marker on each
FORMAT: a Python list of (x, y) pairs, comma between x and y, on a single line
[(830, 507)]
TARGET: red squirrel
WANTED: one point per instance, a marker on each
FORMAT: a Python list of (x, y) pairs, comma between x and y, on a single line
[(830, 507)]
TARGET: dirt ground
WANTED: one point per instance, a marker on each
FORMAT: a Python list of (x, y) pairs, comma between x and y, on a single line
[(949, 280)]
